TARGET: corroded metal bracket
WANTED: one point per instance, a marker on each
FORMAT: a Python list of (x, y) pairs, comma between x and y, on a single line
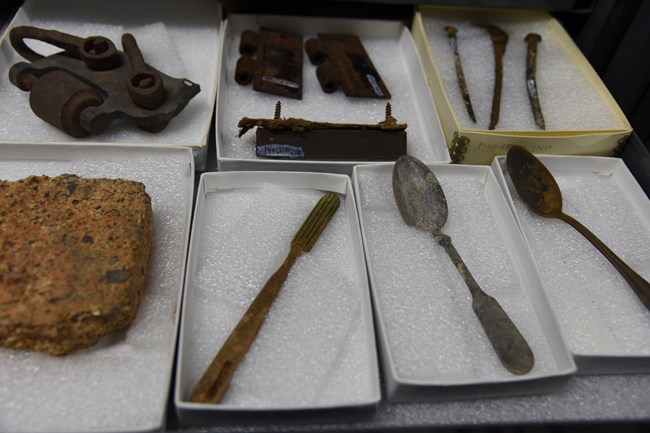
[(343, 61), (272, 60), (83, 88), (295, 138)]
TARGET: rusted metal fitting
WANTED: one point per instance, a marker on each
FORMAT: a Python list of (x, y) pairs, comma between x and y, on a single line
[(342, 61), (82, 89), (272, 60)]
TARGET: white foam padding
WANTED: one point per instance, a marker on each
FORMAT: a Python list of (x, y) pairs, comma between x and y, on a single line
[(173, 48), (569, 101), (387, 57), (431, 331), (599, 312), (311, 350), (122, 383)]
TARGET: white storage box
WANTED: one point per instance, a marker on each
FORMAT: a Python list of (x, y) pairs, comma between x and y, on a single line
[(178, 39), (391, 49), (316, 349), (605, 323), (122, 383), (432, 344)]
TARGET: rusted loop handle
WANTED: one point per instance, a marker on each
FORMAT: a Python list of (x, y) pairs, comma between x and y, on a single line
[(97, 52), (71, 44)]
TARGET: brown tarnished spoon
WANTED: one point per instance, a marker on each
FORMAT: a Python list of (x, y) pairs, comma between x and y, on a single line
[(538, 189), (422, 203)]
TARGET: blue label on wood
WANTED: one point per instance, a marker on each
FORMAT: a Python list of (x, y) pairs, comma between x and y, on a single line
[(280, 151)]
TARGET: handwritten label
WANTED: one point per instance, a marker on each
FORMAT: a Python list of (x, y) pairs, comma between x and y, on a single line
[(280, 151), (374, 84)]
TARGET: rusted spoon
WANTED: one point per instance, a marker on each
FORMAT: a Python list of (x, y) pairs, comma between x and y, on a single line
[(539, 190), (422, 204)]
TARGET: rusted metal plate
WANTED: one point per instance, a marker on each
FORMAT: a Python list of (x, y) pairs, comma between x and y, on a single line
[(272, 60), (343, 61)]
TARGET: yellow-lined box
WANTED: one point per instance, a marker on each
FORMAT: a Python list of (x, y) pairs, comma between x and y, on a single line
[(581, 116)]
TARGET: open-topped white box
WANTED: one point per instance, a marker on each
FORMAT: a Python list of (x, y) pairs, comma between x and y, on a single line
[(391, 49), (316, 348), (605, 323), (179, 39), (432, 345), (122, 383)]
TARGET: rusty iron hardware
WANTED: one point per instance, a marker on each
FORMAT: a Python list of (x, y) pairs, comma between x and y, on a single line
[(532, 39), (462, 84), (83, 88), (295, 138), (499, 42), (342, 61), (272, 60)]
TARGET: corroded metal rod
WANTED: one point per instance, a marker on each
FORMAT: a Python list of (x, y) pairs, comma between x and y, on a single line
[(462, 84), (499, 42), (531, 81)]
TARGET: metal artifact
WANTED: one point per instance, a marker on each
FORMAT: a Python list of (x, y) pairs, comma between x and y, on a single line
[(272, 60), (343, 62), (217, 377), (532, 40), (462, 84), (295, 138), (499, 42), (83, 88), (422, 203), (538, 189)]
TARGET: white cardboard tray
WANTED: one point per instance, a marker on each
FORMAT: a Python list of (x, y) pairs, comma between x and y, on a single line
[(122, 383), (606, 325), (432, 345), (181, 40), (389, 45), (316, 349)]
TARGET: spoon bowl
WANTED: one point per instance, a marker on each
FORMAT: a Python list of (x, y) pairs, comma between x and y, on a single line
[(538, 189)]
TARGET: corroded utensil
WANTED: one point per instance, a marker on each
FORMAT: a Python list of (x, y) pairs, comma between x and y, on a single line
[(539, 190), (215, 381), (422, 203)]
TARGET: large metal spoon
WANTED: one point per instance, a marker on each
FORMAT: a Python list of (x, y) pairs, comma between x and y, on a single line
[(422, 204), (539, 190)]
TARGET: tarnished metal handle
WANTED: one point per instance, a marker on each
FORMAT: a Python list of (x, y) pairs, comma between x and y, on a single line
[(510, 346), (640, 286)]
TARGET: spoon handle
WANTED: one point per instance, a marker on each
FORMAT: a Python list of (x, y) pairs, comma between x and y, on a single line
[(511, 347), (640, 286)]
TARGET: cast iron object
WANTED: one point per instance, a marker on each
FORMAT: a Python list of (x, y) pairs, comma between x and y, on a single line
[(422, 204), (277, 65), (295, 138), (343, 61), (83, 88), (537, 188)]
